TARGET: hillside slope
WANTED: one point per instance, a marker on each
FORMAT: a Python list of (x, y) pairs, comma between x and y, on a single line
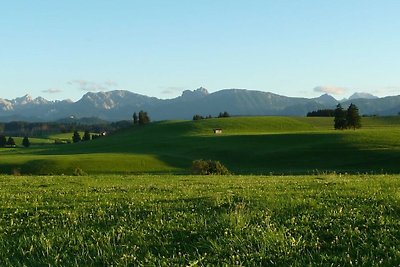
[(247, 145)]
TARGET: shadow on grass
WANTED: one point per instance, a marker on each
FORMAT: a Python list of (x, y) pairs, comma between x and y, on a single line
[(300, 153)]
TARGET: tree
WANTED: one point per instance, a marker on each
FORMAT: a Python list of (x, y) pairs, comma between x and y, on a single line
[(135, 118), (340, 118), (26, 142), (353, 118), (86, 136), (143, 118), (3, 141), (223, 115), (197, 117), (10, 141), (76, 137)]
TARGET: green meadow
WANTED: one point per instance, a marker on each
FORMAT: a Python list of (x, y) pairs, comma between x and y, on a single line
[(302, 194), (181, 220), (247, 145)]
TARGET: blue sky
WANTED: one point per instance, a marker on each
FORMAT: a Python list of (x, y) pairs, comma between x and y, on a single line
[(63, 49)]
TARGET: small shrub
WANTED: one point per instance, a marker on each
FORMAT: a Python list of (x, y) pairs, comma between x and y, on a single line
[(200, 167), (16, 172), (207, 167), (79, 172)]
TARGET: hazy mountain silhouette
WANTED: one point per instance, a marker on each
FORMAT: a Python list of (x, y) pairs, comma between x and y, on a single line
[(120, 105)]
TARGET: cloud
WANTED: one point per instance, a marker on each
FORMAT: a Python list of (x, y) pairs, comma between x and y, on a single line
[(52, 91), (330, 90), (167, 92), (170, 90), (111, 83), (90, 86), (386, 90), (393, 89)]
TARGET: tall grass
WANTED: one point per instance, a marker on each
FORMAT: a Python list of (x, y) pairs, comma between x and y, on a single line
[(326, 220)]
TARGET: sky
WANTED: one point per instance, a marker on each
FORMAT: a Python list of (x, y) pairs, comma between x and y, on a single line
[(66, 48)]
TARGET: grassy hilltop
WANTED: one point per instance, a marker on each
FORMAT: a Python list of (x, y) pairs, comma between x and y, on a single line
[(257, 145), (105, 219)]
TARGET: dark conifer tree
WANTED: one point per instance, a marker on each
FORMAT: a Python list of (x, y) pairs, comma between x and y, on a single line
[(353, 117), (340, 118), (3, 141), (26, 142), (143, 118), (135, 118), (10, 141), (86, 136), (76, 137)]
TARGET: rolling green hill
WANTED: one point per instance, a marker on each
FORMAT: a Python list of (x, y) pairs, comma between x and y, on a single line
[(258, 145)]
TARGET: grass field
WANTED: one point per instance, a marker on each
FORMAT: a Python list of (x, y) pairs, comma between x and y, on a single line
[(119, 220), (110, 217), (248, 145)]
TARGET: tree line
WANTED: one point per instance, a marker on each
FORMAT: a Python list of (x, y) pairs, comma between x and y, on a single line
[(141, 118), (224, 114), (322, 113), (40, 129)]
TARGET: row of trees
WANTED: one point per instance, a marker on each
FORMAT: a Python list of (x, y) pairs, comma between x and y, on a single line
[(345, 119), (198, 117), (141, 118), (4, 142), (220, 115), (40, 129), (322, 113), (76, 137)]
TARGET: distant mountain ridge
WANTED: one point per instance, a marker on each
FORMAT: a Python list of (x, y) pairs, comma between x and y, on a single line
[(120, 105), (362, 96)]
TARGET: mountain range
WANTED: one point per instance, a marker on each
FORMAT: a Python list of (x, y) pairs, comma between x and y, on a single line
[(120, 105)]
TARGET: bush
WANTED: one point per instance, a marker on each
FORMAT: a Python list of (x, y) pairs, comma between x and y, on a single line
[(207, 167), (16, 172), (79, 172)]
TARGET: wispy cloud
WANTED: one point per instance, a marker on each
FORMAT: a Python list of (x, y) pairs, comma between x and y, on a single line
[(330, 90), (52, 91), (111, 83), (171, 90), (386, 90), (90, 86), (392, 89)]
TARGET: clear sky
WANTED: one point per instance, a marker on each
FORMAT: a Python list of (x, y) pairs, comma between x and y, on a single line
[(65, 48)]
